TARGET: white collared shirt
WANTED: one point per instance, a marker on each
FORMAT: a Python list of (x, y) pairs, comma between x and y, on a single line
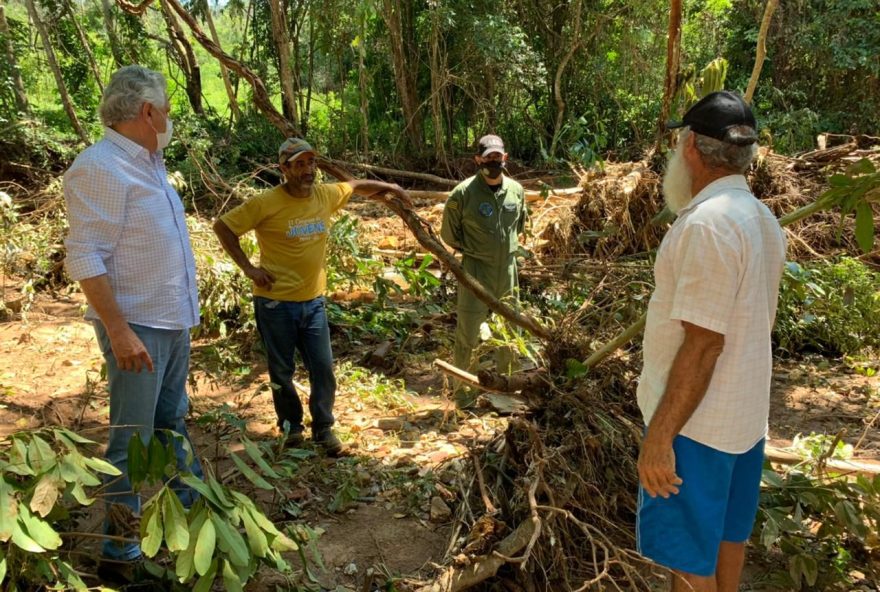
[(718, 267), (128, 222)]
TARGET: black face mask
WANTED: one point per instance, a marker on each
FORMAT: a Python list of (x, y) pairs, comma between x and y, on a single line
[(492, 169)]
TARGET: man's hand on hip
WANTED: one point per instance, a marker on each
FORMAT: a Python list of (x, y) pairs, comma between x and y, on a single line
[(657, 468), (261, 277), (129, 351)]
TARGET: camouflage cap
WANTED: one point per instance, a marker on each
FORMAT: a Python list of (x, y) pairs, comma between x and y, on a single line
[(292, 148)]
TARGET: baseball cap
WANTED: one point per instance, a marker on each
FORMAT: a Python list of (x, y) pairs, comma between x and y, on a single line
[(489, 144), (293, 147), (715, 114)]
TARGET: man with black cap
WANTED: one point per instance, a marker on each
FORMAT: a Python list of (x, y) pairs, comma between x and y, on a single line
[(292, 223), (705, 387), (483, 218)]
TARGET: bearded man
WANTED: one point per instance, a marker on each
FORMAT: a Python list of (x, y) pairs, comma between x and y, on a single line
[(705, 387)]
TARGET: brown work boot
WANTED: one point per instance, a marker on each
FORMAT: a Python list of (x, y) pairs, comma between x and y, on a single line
[(328, 440)]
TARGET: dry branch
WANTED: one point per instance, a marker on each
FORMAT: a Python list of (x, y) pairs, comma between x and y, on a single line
[(261, 94), (369, 168)]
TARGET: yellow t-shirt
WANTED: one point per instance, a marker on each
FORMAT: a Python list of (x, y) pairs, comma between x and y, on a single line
[(292, 235)]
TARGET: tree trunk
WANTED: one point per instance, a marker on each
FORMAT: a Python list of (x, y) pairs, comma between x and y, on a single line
[(183, 54), (56, 71), (21, 102), (224, 73), (244, 34), (110, 26), (557, 80), (761, 50), (397, 15), (282, 44), (86, 46), (261, 95), (438, 60), (673, 52), (364, 87)]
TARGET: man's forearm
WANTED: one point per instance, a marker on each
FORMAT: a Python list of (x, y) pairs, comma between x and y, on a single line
[(100, 296), (232, 245), (688, 381)]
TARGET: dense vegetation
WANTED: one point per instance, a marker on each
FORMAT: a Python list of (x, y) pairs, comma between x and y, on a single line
[(414, 83)]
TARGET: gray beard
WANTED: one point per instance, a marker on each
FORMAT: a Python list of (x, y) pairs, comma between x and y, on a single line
[(677, 181)]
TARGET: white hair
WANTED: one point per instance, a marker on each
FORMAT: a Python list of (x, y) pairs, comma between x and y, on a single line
[(677, 180), (129, 88), (718, 154)]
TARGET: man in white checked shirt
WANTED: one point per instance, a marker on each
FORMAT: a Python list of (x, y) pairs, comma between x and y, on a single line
[(704, 391), (129, 249)]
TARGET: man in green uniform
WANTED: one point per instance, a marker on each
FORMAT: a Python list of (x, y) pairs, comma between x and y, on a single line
[(483, 219)]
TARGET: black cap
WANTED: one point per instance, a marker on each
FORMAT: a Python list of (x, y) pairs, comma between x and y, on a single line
[(715, 114), (489, 144)]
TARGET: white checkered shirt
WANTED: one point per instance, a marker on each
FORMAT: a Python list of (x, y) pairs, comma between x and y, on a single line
[(128, 222), (718, 267)]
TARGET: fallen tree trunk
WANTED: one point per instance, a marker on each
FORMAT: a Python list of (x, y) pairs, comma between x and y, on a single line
[(369, 168), (531, 196)]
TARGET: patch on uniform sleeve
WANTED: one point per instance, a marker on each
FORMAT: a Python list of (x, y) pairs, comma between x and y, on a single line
[(486, 209), (451, 205)]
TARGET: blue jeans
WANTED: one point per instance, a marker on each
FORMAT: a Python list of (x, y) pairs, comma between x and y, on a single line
[(285, 328), (141, 403)]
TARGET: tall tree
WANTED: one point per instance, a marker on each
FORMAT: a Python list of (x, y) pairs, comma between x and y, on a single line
[(21, 102), (56, 70), (399, 18), (203, 9), (182, 52), (84, 41), (673, 55), (281, 37), (761, 52)]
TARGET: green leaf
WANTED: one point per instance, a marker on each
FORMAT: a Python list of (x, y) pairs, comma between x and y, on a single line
[(862, 167), (62, 433), (248, 472), (865, 227), (217, 488), (810, 569), (8, 510), (18, 463), (137, 461), (157, 460), (80, 495), (40, 455), (151, 528), (231, 541), (230, 578), (174, 521), (200, 486), (71, 577), (255, 535), (253, 451), (23, 541), (75, 462), (839, 180), (45, 494), (204, 552), (39, 530), (101, 466), (769, 533), (185, 566), (207, 581), (771, 478)]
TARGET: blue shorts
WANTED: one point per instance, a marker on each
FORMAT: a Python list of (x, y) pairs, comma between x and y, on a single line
[(717, 501)]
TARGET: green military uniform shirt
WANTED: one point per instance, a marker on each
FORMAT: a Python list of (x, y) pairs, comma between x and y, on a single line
[(485, 226)]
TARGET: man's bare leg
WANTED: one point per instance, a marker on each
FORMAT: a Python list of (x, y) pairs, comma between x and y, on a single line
[(731, 558), (685, 582)]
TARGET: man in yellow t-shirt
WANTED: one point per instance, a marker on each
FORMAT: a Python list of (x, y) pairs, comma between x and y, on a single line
[(292, 224)]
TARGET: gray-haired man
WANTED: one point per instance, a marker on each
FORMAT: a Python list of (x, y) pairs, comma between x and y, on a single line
[(129, 249), (705, 388)]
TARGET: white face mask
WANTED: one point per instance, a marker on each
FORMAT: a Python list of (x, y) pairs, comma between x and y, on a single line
[(163, 138)]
